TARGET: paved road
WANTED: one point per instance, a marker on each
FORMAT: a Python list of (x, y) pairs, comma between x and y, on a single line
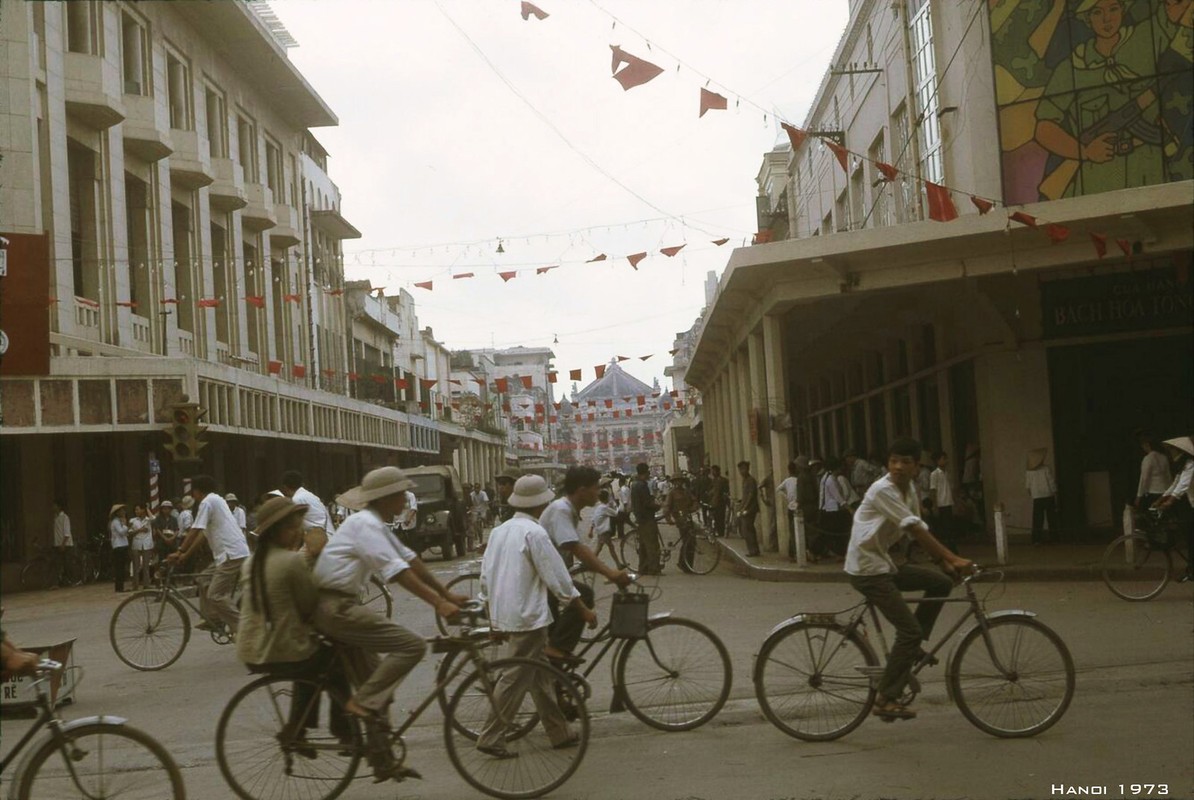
[(1130, 721)]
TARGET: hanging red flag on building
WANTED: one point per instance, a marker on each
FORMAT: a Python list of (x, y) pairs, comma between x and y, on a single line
[(1100, 243), (1023, 219), (941, 203), (1057, 233), (424, 285), (539, 409), (127, 303), (508, 276), (255, 300), (763, 237), (982, 205), (169, 301), (544, 270), (378, 379), (671, 251), (598, 257), (298, 371), (292, 298), (401, 384), (795, 136), (501, 384), (530, 9), (462, 275), (335, 292), (551, 377), (574, 374), (636, 72), (600, 370), (328, 372), (641, 399), (527, 381), (720, 242), (609, 403), (889, 172), (274, 367), (711, 101), (578, 418), (1125, 246), (634, 258), (206, 302), (352, 376), (427, 383), (840, 153)]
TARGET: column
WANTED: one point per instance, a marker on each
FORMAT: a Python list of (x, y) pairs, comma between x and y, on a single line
[(781, 441), (760, 448)]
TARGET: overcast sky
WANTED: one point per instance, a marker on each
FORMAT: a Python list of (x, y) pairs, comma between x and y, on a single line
[(439, 154)]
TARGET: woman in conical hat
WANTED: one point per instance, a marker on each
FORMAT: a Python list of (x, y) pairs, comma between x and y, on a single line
[(1180, 494)]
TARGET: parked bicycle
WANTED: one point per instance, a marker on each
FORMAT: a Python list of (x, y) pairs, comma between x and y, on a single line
[(673, 674), (272, 742), (1139, 565), (699, 551), (1010, 675), (48, 567), (91, 758)]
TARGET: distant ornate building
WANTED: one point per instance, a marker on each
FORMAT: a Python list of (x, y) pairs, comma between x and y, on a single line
[(615, 422)]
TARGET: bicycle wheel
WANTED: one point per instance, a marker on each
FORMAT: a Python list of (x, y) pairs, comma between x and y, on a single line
[(74, 568), (490, 651), (1135, 569), (539, 765), (1018, 682), (629, 552), (39, 573), (377, 597), (812, 683), (149, 630), (468, 584), (272, 741), (677, 678), (700, 553), (102, 760)]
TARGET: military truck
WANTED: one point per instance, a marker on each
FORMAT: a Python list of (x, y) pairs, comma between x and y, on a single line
[(440, 519)]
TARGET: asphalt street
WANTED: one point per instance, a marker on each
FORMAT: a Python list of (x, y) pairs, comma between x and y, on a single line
[(1130, 722)]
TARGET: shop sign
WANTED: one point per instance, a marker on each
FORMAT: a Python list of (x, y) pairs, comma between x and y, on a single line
[(1125, 301)]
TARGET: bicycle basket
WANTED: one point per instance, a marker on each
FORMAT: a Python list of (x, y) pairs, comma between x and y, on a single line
[(628, 615)]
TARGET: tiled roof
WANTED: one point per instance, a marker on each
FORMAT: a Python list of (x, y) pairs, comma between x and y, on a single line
[(616, 384)]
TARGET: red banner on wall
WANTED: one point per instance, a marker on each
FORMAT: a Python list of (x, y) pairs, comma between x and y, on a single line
[(23, 305)]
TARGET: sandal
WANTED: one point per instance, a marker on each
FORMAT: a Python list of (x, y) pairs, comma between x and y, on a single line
[(890, 711)]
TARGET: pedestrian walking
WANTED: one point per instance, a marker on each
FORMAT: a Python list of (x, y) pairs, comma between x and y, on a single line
[(165, 530), (64, 542), (700, 490), (504, 483), (1038, 480), (788, 497), (642, 503), (141, 547), (941, 494), (521, 572), (719, 499), (118, 537), (602, 521), (749, 510), (834, 516), (1155, 477)]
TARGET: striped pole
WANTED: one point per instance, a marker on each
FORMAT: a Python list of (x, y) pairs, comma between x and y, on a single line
[(153, 484)]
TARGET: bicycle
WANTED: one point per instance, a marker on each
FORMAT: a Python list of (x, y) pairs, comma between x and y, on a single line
[(699, 551), (1139, 565), (1010, 675), (675, 677), (47, 568), (272, 742), (100, 757)]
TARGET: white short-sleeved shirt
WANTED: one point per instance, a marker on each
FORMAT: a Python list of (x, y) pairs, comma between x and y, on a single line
[(939, 485), (62, 536), (119, 532), (363, 545), (219, 526), (239, 515), (409, 517), (141, 530), (1039, 482), (316, 515), (560, 520), (185, 520), (882, 519), (787, 488)]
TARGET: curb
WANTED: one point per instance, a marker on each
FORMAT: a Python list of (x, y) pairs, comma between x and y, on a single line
[(738, 563)]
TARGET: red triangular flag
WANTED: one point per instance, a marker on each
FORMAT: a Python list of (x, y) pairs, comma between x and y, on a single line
[(1023, 219), (400, 383), (636, 72), (1100, 243), (507, 276), (574, 374), (578, 418), (1057, 233), (763, 237), (600, 257), (1125, 246), (795, 135), (207, 302), (644, 358), (840, 152), (551, 378), (671, 251), (352, 376), (941, 204), (462, 275), (542, 270), (501, 384), (623, 358), (425, 285), (427, 383), (711, 101), (609, 403), (255, 300), (292, 298), (982, 205), (527, 382), (634, 258), (166, 302), (274, 367), (298, 370), (335, 292), (890, 173), (720, 242), (600, 370), (528, 9), (127, 303)]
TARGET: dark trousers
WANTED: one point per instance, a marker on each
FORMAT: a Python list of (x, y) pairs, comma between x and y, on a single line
[(718, 513), (304, 705), (746, 526), (945, 527), (911, 629), (567, 625), (120, 566), (1044, 511)]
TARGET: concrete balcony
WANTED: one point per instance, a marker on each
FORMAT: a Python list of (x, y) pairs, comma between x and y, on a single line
[(93, 90), (145, 134), (287, 233), (190, 165), (258, 213), (228, 189)]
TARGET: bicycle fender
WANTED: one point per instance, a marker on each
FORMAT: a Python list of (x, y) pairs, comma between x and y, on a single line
[(951, 661), (800, 619), (67, 727), (659, 616)]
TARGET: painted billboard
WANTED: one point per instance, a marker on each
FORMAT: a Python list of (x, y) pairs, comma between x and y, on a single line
[(1093, 95)]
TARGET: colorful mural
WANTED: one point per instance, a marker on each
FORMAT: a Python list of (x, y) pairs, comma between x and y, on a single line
[(1093, 95)]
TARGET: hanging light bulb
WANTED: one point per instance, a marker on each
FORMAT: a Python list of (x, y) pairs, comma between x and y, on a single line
[(556, 340), (500, 249)]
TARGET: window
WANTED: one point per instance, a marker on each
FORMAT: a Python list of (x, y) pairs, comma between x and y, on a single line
[(275, 171), (217, 122), (906, 206), (294, 182), (134, 55), (178, 89), (246, 140), (842, 211), (924, 70), (83, 27), (880, 199), (870, 46)]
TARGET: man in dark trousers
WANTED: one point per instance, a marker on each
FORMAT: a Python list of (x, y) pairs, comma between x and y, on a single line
[(643, 505), (750, 509), (719, 499)]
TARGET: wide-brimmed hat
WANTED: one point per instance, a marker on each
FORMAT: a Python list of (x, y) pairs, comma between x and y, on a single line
[(166, 504), (1183, 443), (509, 474), (1037, 457), (230, 498), (115, 507), (276, 509), (531, 491), (186, 503), (379, 483)]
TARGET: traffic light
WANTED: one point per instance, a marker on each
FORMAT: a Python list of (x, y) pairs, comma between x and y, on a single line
[(184, 431)]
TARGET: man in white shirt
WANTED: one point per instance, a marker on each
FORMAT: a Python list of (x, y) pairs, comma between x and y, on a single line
[(317, 523), (1038, 480), (238, 512), (215, 522), (62, 534), (363, 546), (941, 495), (889, 512), (787, 494), (520, 570), (1181, 493)]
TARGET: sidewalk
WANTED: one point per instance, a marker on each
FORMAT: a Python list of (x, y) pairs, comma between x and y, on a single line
[(1060, 562)]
